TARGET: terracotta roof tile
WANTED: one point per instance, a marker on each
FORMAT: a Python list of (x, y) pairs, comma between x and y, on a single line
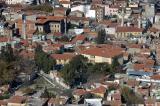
[(4, 39), (153, 30), (44, 19), (156, 77), (103, 51), (78, 38), (64, 56), (129, 29), (17, 99), (100, 90), (80, 92)]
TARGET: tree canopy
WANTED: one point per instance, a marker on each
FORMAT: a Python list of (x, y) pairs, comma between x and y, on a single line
[(7, 68), (103, 68), (130, 97), (43, 60), (78, 70), (43, 7), (7, 54), (101, 37), (74, 72), (7, 73)]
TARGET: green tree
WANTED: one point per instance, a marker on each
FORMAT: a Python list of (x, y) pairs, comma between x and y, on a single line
[(7, 73), (75, 72), (43, 60), (47, 94), (7, 54), (115, 64), (130, 97), (43, 7), (102, 68), (101, 37)]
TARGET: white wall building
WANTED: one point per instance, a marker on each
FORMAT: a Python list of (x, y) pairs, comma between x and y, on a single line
[(93, 102), (86, 9), (19, 1), (110, 30), (111, 10)]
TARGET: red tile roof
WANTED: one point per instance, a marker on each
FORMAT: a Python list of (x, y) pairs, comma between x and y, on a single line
[(103, 51), (101, 90), (65, 56), (80, 92), (25, 42), (129, 29), (3, 103), (44, 19), (17, 99), (4, 39), (77, 18), (153, 30), (156, 77), (139, 66), (78, 38)]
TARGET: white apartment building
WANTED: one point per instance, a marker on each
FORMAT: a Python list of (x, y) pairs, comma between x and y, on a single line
[(18, 1)]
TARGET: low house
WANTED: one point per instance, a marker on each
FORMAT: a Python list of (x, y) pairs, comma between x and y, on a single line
[(79, 21), (17, 101), (3, 103), (79, 93), (100, 91), (60, 11), (50, 24), (79, 39), (124, 32), (134, 48), (94, 102), (77, 13), (103, 54), (62, 58), (6, 40), (53, 48), (154, 32), (150, 102), (114, 98)]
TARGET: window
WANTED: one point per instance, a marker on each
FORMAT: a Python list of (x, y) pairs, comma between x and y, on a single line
[(92, 56)]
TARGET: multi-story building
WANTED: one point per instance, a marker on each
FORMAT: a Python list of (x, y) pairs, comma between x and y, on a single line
[(99, 12), (124, 32), (29, 25), (103, 54), (18, 1), (51, 24), (111, 9)]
